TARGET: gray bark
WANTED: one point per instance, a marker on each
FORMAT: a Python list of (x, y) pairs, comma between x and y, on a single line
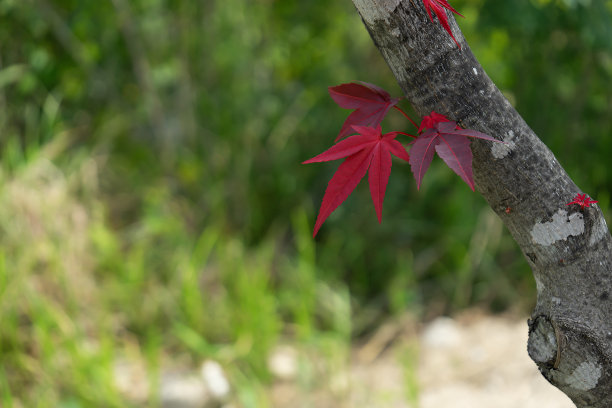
[(568, 249)]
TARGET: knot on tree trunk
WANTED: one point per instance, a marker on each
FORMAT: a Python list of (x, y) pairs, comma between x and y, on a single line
[(571, 360), (545, 342)]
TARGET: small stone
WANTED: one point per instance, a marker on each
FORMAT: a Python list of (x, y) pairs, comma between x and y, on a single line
[(183, 391), (215, 379), (283, 363), (442, 332), (131, 379)]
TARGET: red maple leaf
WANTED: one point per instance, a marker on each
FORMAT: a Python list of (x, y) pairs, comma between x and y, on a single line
[(430, 121), (582, 200), (450, 142), (370, 102), (438, 7), (370, 149)]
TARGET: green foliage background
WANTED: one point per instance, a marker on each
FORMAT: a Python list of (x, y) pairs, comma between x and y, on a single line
[(153, 205)]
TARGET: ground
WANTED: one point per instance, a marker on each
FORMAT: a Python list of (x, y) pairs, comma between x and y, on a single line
[(474, 361)]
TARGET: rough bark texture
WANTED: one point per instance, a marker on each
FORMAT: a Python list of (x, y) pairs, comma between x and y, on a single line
[(568, 249)]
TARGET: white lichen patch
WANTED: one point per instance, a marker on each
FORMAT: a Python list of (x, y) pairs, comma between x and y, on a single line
[(560, 228), (372, 10), (547, 347), (501, 150), (585, 376)]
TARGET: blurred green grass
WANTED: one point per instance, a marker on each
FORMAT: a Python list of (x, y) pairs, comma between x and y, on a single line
[(153, 206)]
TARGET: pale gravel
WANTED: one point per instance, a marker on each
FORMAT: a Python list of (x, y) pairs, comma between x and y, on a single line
[(477, 361)]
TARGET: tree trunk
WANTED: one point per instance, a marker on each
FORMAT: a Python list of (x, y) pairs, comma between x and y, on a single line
[(568, 248)]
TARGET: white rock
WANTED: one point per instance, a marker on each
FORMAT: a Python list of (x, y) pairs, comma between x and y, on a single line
[(283, 363), (183, 391), (131, 379), (442, 332), (215, 379)]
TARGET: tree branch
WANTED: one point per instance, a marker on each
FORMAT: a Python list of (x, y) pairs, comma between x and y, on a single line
[(568, 249)]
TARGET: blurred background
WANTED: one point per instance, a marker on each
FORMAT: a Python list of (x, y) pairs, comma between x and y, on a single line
[(155, 220)]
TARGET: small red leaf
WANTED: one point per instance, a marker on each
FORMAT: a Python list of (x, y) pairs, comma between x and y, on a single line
[(378, 177), (451, 128), (456, 153), (369, 149), (438, 7), (344, 148), (348, 175), (450, 142), (430, 121), (370, 102), (583, 201), (395, 147), (421, 155)]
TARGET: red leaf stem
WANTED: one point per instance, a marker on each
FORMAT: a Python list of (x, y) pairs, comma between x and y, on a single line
[(406, 115)]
